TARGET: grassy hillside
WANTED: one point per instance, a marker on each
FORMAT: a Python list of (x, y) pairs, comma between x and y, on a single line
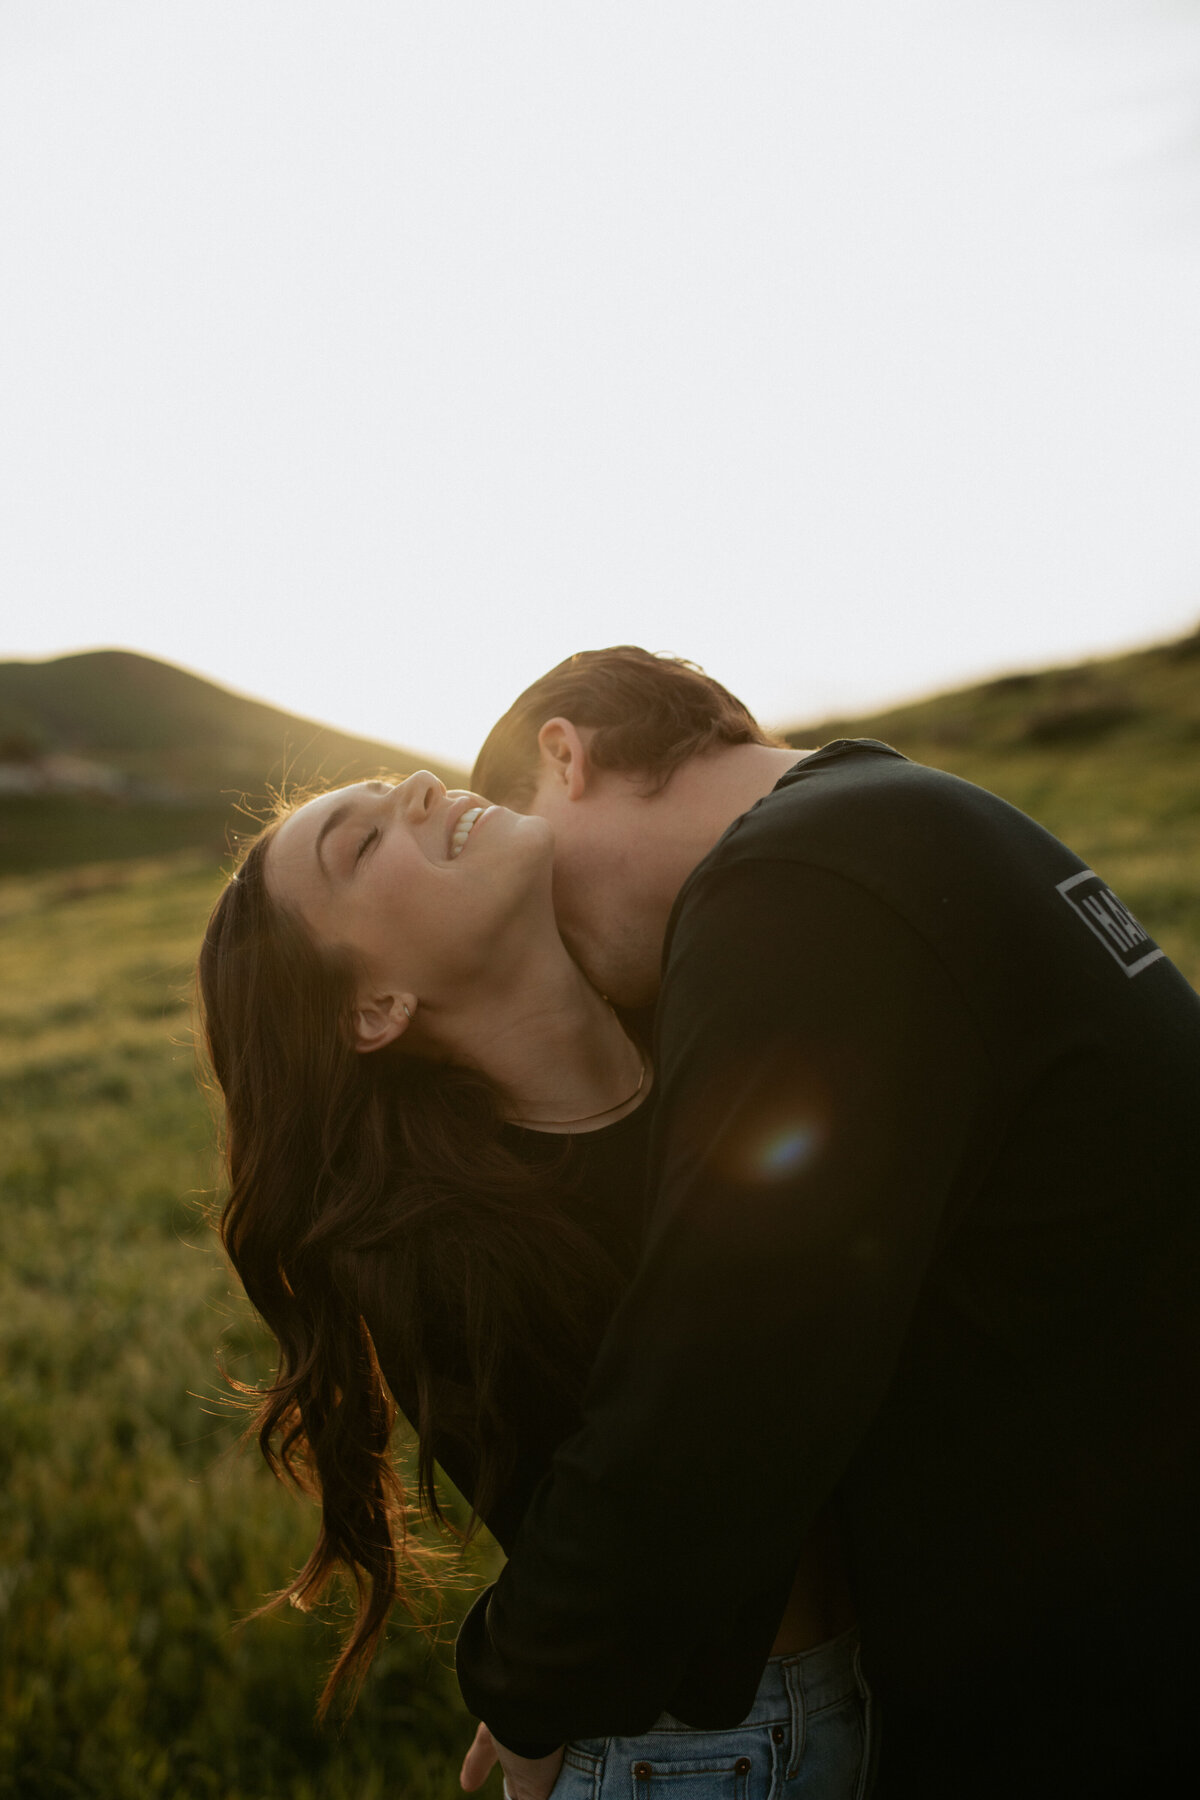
[(185, 754), (1106, 754)]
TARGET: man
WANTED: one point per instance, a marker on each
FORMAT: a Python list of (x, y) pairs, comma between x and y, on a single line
[(922, 1245)]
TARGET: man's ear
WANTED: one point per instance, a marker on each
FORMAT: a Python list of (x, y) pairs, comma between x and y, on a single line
[(379, 1019), (563, 756)]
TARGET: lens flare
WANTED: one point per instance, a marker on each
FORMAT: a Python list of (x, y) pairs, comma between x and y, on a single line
[(785, 1151), (776, 1148), (777, 1131)]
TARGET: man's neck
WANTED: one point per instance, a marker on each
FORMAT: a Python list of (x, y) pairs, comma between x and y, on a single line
[(703, 798), (650, 847)]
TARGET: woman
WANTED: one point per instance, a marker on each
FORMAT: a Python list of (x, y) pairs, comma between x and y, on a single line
[(435, 1129)]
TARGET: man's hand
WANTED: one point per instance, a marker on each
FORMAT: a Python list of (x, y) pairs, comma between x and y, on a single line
[(523, 1779)]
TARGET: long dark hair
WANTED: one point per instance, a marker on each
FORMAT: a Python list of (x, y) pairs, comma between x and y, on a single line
[(331, 1157)]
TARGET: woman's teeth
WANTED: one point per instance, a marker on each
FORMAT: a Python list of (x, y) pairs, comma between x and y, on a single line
[(462, 830)]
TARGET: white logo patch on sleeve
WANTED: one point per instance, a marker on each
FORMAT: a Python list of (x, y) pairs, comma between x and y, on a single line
[(1109, 919)]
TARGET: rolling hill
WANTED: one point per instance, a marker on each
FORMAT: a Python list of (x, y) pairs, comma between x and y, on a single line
[(1106, 754), (112, 755), (1145, 698), (109, 754)]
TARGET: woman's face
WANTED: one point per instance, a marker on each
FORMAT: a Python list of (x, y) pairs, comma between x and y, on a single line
[(427, 886)]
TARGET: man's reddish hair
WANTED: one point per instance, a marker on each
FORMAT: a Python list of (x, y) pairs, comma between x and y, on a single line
[(647, 714)]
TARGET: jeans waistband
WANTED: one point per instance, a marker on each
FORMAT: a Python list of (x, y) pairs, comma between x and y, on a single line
[(809, 1681)]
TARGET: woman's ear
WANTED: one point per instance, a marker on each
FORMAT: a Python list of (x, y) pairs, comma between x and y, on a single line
[(379, 1019), (563, 757)]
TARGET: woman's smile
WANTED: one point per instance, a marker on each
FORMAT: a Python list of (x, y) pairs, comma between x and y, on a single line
[(466, 824)]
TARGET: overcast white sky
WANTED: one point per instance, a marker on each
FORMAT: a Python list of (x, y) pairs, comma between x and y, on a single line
[(372, 357)]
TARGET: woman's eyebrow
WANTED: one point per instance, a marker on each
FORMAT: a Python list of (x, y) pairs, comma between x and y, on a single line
[(336, 817)]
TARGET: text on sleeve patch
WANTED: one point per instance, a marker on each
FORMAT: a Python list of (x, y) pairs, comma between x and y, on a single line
[(1110, 920)]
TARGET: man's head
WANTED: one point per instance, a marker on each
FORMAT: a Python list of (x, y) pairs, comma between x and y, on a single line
[(644, 714), (621, 752)]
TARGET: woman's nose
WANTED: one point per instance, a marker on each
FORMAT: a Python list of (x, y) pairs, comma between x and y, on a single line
[(420, 793)]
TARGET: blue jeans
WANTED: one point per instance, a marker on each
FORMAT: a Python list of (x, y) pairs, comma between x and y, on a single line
[(805, 1738)]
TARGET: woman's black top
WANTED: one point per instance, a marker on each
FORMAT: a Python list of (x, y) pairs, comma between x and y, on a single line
[(600, 1186)]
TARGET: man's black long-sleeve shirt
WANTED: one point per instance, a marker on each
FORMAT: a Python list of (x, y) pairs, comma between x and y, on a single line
[(923, 1240)]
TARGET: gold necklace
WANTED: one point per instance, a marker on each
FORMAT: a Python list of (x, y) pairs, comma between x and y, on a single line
[(587, 1118)]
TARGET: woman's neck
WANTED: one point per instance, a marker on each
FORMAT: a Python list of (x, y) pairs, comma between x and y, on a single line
[(554, 1048)]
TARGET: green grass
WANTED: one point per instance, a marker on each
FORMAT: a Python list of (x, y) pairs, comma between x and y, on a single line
[(133, 1535)]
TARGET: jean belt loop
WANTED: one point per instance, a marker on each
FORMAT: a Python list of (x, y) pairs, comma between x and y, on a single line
[(794, 1677)]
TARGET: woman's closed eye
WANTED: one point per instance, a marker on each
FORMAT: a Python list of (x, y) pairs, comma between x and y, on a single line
[(365, 844)]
